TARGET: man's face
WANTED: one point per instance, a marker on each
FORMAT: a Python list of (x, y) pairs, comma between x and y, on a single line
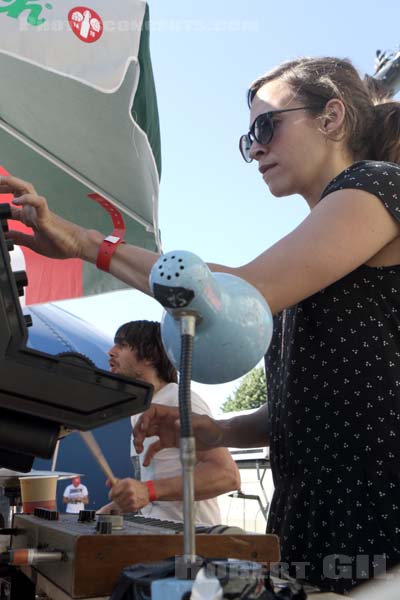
[(124, 361), (76, 481)]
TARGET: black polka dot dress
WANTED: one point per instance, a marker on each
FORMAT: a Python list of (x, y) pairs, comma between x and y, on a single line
[(333, 377)]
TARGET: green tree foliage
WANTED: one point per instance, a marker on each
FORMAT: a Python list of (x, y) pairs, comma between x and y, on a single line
[(251, 392)]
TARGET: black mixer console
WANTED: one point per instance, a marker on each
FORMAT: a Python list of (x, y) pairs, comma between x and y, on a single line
[(41, 394)]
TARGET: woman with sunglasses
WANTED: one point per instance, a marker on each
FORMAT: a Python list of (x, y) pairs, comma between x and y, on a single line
[(333, 367)]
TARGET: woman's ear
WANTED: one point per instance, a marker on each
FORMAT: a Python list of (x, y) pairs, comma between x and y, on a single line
[(333, 116)]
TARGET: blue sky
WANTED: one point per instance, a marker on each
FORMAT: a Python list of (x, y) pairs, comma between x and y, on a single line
[(204, 56)]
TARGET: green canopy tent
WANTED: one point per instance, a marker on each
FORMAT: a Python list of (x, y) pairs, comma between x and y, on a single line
[(78, 115)]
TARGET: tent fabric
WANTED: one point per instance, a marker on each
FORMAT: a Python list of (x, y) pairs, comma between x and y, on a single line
[(43, 34), (80, 122)]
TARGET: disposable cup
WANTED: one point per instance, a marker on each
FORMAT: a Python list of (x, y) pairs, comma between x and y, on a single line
[(38, 492)]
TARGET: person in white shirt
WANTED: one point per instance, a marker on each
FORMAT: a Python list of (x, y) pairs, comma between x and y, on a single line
[(157, 488), (75, 496)]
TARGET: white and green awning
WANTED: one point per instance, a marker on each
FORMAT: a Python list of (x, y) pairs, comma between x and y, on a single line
[(78, 114)]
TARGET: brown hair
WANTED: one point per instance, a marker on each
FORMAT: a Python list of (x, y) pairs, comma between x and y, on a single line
[(372, 122), (144, 337)]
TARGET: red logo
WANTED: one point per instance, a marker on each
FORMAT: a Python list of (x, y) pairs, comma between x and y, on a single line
[(85, 23)]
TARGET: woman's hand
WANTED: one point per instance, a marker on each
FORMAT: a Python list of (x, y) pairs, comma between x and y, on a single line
[(163, 421), (52, 236)]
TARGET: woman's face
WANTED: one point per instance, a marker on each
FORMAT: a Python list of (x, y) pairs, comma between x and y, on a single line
[(292, 162)]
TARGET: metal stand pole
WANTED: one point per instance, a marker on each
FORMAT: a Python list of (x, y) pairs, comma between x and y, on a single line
[(187, 446)]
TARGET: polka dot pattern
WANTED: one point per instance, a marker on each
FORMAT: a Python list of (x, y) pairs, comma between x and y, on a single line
[(333, 377)]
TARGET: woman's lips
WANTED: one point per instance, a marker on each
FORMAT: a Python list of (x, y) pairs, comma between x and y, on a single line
[(265, 170)]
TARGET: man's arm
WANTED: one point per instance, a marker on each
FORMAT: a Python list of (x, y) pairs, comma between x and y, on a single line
[(73, 500), (215, 473)]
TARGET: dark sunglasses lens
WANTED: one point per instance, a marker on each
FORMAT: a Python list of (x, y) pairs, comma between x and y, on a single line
[(244, 147), (263, 129)]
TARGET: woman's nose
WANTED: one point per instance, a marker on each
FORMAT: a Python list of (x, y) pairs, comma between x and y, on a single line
[(258, 150)]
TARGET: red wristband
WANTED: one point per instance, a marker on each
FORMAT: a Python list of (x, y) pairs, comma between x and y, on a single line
[(111, 242), (152, 490)]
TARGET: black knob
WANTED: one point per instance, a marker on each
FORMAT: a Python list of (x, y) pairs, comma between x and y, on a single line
[(21, 280), (104, 527), (86, 515), (52, 515), (5, 211), (46, 513), (28, 320)]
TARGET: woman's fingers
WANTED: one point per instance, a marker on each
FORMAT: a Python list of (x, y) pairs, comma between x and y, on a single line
[(13, 185), (145, 426), (33, 208), (52, 235), (151, 451), (19, 238)]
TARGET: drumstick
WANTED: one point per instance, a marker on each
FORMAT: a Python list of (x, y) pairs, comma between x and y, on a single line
[(95, 449)]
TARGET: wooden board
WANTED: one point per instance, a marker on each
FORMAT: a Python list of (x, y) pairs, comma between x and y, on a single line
[(99, 560)]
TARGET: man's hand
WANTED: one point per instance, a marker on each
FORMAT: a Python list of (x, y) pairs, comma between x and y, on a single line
[(52, 236), (130, 495), (109, 509), (163, 421)]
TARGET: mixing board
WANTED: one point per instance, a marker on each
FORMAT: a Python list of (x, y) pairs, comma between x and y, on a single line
[(84, 556)]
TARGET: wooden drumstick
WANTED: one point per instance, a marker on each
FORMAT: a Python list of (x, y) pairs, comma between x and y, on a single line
[(95, 449)]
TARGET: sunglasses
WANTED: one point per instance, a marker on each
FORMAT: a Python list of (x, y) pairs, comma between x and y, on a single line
[(262, 130)]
